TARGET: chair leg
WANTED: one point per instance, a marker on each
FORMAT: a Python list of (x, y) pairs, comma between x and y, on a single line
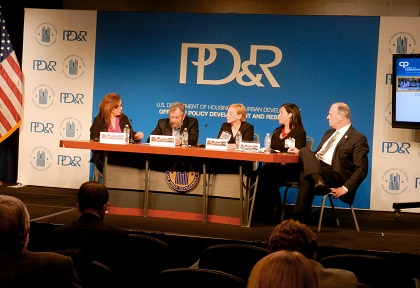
[(252, 200), (284, 203), (321, 214), (97, 176), (355, 219), (333, 209)]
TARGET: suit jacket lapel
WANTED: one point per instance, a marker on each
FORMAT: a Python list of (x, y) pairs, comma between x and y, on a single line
[(325, 139), (168, 129), (346, 136)]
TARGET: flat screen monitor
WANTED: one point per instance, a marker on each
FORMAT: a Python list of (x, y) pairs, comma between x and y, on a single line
[(406, 91)]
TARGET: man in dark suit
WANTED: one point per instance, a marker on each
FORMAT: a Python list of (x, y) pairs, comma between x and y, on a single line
[(89, 233), (338, 166), (175, 124), (20, 267)]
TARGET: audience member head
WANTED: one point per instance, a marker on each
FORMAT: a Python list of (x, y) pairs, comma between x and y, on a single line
[(236, 113), (176, 115), (93, 197), (292, 116), (295, 236), (283, 269), (14, 224), (110, 105)]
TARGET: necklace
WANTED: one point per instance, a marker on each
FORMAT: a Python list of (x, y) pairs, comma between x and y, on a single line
[(283, 134)]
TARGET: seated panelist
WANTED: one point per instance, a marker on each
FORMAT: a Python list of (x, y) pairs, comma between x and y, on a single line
[(236, 121), (175, 124), (111, 119), (338, 166), (273, 175)]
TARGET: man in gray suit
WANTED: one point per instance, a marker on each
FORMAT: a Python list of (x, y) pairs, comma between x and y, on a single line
[(20, 267), (296, 236), (339, 164)]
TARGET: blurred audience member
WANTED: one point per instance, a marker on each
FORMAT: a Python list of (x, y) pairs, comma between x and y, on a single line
[(296, 236), (104, 243), (283, 269), (21, 268)]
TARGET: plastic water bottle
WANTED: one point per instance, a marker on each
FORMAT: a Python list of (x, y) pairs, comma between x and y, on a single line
[(238, 140), (267, 143), (185, 138), (127, 134)]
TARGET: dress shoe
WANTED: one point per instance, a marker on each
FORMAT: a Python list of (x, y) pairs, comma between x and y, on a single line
[(321, 188)]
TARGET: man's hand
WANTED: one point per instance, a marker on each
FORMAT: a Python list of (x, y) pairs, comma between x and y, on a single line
[(337, 192)]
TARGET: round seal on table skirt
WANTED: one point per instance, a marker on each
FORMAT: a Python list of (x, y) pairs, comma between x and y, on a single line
[(182, 177)]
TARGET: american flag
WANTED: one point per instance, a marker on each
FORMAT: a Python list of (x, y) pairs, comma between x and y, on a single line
[(11, 86)]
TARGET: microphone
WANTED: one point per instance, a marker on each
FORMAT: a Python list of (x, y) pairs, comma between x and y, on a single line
[(201, 136), (131, 131)]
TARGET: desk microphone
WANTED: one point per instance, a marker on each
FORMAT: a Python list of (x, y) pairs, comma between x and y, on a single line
[(202, 133), (131, 131)]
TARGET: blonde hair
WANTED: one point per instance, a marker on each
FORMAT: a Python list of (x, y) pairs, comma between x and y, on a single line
[(283, 269), (240, 110)]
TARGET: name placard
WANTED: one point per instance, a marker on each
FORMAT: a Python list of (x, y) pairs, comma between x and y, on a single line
[(112, 138), (162, 140), (216, 144), (249, 146)]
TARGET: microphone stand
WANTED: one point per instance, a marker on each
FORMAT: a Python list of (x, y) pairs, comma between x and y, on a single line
[(199, 139), (131, 131)]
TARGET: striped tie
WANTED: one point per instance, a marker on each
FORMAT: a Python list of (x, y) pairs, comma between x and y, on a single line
[(328, 146)]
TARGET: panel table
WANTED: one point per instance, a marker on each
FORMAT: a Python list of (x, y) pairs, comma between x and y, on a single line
[(191, 151)]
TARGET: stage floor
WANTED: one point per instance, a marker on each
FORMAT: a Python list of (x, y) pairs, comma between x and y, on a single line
[(381, 233)]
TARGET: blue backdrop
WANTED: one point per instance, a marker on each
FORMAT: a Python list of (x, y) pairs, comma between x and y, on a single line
[(325, 59)]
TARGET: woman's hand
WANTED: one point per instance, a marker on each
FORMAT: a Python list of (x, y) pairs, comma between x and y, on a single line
[(293, 150), (138, 136)]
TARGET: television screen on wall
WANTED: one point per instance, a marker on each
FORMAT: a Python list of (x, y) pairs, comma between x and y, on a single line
[(406, 91)]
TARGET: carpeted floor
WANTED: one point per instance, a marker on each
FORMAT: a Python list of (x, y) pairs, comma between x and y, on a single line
[(381, 233)]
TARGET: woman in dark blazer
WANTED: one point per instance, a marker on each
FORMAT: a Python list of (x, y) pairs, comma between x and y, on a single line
[(273, 175), (236, 121), (111, 119)]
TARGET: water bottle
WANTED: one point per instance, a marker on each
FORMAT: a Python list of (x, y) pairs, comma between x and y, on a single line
[(185, 138), (238, 140), (127, 134), (267, 143)]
